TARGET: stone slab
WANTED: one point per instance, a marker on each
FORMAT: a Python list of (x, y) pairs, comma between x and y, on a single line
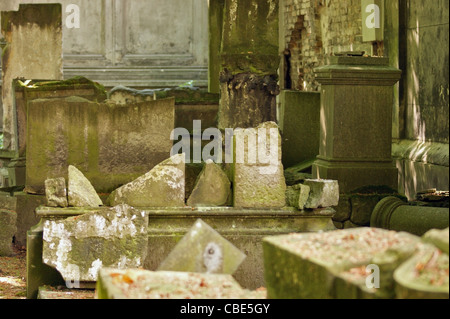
[(79, 246), (203, 250), (141, 284), (317, 266)]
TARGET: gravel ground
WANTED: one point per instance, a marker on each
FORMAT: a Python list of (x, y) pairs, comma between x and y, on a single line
[(12, 275)]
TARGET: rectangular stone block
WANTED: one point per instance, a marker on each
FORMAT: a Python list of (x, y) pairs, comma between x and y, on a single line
[(259, 180), (79, 247), (110, 144), (333, 264), (300, 126), (142, 284)]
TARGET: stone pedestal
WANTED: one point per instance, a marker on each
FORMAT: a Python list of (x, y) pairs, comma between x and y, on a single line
[(356, 122), (249, 63)]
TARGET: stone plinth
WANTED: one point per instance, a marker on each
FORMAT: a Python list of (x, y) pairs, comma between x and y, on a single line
[(243, 228), (356, 122)]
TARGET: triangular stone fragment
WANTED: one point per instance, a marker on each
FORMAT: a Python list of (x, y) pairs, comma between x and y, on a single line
[(81, 192), (212, 189), (203, 250), (163, 186)]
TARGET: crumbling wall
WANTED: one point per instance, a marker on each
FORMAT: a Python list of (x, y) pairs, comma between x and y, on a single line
[(314, 29)]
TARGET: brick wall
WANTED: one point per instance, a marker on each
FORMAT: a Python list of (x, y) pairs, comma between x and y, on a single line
[(314, 29)]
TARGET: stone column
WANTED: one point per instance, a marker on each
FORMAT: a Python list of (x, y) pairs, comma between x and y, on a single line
[(249, 58), (394, 214), (33, 50), (356, 122)]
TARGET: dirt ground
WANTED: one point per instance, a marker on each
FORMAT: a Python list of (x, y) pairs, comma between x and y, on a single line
[(12, 275)]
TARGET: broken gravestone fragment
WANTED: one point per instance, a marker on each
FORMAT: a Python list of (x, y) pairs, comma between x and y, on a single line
[(81, 192), (79, 246), (424, 276), (163, 186), (324, 193), (438, 238), (7, 230), (203, 250), (213, 188), (56, 192), (258, 178), (297, 196), (143, 284)]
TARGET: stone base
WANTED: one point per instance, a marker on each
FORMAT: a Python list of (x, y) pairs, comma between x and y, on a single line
[(243, 228), (353, 175)]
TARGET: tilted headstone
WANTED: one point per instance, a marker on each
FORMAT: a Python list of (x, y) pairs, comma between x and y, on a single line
[(163, 186), (56, 192), (7, 230), (203, 250), (81, 192), (79, 246), (213, 188), (258, 172)]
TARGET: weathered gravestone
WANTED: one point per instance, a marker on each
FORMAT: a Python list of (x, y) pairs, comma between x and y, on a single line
[(213, 188), (7, 230), (111, 144), (163, 186), (143, 284), (203, 250), (258, 174), (79, 246), (33, 51), (424, 276)]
